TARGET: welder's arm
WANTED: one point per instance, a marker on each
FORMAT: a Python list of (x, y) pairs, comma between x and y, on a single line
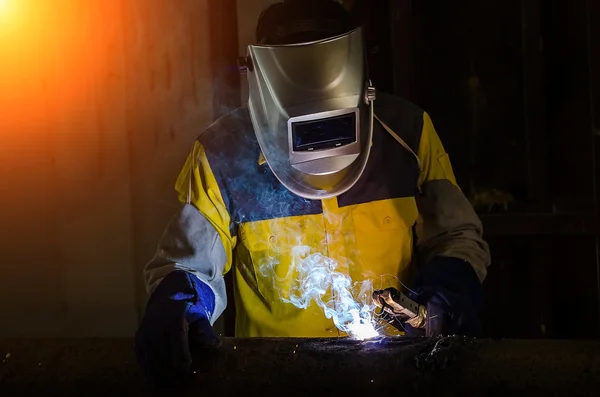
[(185, 278), (198, 238), (447, 224), (452, 255)]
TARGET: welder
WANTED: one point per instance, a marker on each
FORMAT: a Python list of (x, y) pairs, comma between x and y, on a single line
[(317, 158)]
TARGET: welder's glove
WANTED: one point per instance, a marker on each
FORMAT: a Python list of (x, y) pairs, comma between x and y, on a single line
[(174, 328), (453, 296)]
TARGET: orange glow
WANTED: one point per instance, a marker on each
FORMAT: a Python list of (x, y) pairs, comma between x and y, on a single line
[(8, 10), (53, 55)]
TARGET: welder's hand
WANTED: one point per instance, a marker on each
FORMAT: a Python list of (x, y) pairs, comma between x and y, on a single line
[(453, 296), (175, 326), (397, 308)]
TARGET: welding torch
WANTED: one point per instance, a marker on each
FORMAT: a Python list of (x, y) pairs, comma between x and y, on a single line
[(401, 307)]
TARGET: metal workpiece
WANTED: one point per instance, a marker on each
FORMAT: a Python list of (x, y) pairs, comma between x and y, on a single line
[(450, 366)]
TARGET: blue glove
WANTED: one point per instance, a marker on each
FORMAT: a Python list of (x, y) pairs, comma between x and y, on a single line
[(174, 327), (453, 295)]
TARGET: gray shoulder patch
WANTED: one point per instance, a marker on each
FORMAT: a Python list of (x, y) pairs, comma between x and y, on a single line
[(449, 226)]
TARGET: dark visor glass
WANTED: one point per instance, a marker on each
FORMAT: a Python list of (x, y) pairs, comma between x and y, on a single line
[(324, 133)]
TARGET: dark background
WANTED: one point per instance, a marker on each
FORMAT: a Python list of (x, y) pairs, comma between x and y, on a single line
[(510, 86)]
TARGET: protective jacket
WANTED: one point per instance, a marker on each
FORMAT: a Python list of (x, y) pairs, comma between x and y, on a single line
[(405, 210)]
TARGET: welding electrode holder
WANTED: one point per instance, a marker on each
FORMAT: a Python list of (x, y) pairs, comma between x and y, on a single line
[(397, 304)]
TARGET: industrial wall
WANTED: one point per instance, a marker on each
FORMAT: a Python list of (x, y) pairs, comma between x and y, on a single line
[(99, 105)]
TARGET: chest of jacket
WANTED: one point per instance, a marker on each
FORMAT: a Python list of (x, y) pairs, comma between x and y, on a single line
[(368, 241), (366, 232)]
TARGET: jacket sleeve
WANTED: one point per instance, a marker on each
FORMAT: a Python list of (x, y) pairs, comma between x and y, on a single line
[(447, 224), (198, 237)]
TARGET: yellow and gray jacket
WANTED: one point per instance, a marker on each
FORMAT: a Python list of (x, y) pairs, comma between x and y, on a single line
[(405, 209)]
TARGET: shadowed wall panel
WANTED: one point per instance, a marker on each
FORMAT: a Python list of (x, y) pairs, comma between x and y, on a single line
[(169, 102), (65, 199), (100, 102)]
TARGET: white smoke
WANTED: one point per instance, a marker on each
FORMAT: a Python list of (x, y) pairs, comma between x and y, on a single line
[(317, 278)]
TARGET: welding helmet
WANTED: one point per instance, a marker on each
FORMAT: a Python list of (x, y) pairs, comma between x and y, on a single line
[(311, 106)]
